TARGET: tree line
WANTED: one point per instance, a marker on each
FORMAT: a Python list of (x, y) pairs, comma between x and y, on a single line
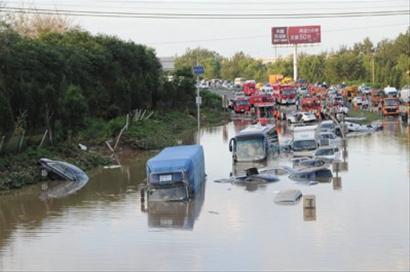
[(55, 80), (386, 63)]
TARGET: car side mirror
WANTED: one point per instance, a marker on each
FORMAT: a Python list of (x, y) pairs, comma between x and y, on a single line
[(231, 144)]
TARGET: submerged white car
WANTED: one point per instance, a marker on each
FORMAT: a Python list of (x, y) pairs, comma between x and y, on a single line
[(328, 138), (327, 154), (296, 117)]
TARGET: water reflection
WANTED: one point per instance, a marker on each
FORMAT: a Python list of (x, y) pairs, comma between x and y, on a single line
[(176, 214), (61, 188), (309, 208)]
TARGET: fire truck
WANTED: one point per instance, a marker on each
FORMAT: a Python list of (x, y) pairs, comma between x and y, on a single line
[(311, 104), (284, 94), (241, 105), (317, 91), (265, 112), (260, 97), (249, 87)]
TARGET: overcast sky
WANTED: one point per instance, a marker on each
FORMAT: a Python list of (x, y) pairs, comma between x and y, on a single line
[(172, 37)]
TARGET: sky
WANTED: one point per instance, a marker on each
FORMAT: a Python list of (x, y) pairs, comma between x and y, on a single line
[(171, 37)]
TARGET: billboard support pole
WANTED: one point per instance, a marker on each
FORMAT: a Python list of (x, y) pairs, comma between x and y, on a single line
[(295, 62)]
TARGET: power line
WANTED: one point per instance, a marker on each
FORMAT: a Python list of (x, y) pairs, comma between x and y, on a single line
[(155, 15), (230, 3), (232, 9)]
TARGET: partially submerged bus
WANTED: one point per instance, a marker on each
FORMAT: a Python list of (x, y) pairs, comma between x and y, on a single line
[(254, 143)]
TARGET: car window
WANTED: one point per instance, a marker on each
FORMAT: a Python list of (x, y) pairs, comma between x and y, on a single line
[(57, 166)]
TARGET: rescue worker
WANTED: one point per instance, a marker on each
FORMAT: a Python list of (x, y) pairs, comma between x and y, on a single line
[(297, 102)]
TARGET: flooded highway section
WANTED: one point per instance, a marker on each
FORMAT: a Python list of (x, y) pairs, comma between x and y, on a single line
[(358, 220)]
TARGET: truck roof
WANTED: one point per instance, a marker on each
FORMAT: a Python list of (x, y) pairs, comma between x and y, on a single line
[(305, 128)]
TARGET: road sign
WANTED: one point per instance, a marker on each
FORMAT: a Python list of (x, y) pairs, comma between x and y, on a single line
[(199, 70), (198, 100), (296, 34)]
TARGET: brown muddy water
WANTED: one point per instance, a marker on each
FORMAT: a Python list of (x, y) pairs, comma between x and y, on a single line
[(360, 220)]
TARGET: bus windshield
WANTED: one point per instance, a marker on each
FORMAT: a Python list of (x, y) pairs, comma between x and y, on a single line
[(250, 149)]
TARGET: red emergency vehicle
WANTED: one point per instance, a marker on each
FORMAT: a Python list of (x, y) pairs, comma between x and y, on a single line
[(311, 104), (241, 105), (265, 112), (284, 94), (249, 87), (260, 97)]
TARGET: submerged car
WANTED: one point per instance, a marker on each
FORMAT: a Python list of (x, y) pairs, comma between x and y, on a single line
[(328, 154), (328, 138), (321, 174), (305, 117), (305, 162), (327, 125), (353, 127), (61, 170)]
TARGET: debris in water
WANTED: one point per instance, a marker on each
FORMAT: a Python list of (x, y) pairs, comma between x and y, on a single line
[(82, 147), (288, 197), (112, 166)]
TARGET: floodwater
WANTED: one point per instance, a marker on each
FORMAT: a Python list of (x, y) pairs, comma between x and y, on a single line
[(359, 221)]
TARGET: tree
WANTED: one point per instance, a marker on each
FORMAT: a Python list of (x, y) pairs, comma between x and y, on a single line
[(6, 116), (74, 107), (209, 59)]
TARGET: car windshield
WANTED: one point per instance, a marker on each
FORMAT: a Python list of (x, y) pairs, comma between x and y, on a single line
[(327, 151), (250, 149), (392, 102), (327, 125), (301, 145), (242, 102), (328, 136), (289, 92)]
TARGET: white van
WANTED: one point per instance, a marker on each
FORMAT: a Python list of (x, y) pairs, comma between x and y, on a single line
[(304, 141), (390, 91), (405, 94)]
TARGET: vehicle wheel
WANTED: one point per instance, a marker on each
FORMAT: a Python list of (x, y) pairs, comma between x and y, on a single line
[(44, 173)]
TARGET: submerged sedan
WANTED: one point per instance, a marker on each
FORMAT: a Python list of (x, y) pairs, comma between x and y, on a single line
[(61, 170), (327, 154)]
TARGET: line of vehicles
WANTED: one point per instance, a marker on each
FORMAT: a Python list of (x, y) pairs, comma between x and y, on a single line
[(311, 100)]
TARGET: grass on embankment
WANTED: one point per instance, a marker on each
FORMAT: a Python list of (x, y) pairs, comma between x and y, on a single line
[(370, 116), (161, 130)]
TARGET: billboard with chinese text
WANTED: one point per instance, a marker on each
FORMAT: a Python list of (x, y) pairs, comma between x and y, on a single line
[(296, 34)]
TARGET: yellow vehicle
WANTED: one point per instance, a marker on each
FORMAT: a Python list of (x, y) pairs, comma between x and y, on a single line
[(287, 80), (275, 78), (259, 85), (349, 92)]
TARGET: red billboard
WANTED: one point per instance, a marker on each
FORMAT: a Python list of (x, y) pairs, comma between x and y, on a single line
[(304, 34), (296, 34)]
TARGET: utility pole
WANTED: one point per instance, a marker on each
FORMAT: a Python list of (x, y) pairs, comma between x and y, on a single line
[(198, 105), (295, 62), (198, 70), (373, 69)]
